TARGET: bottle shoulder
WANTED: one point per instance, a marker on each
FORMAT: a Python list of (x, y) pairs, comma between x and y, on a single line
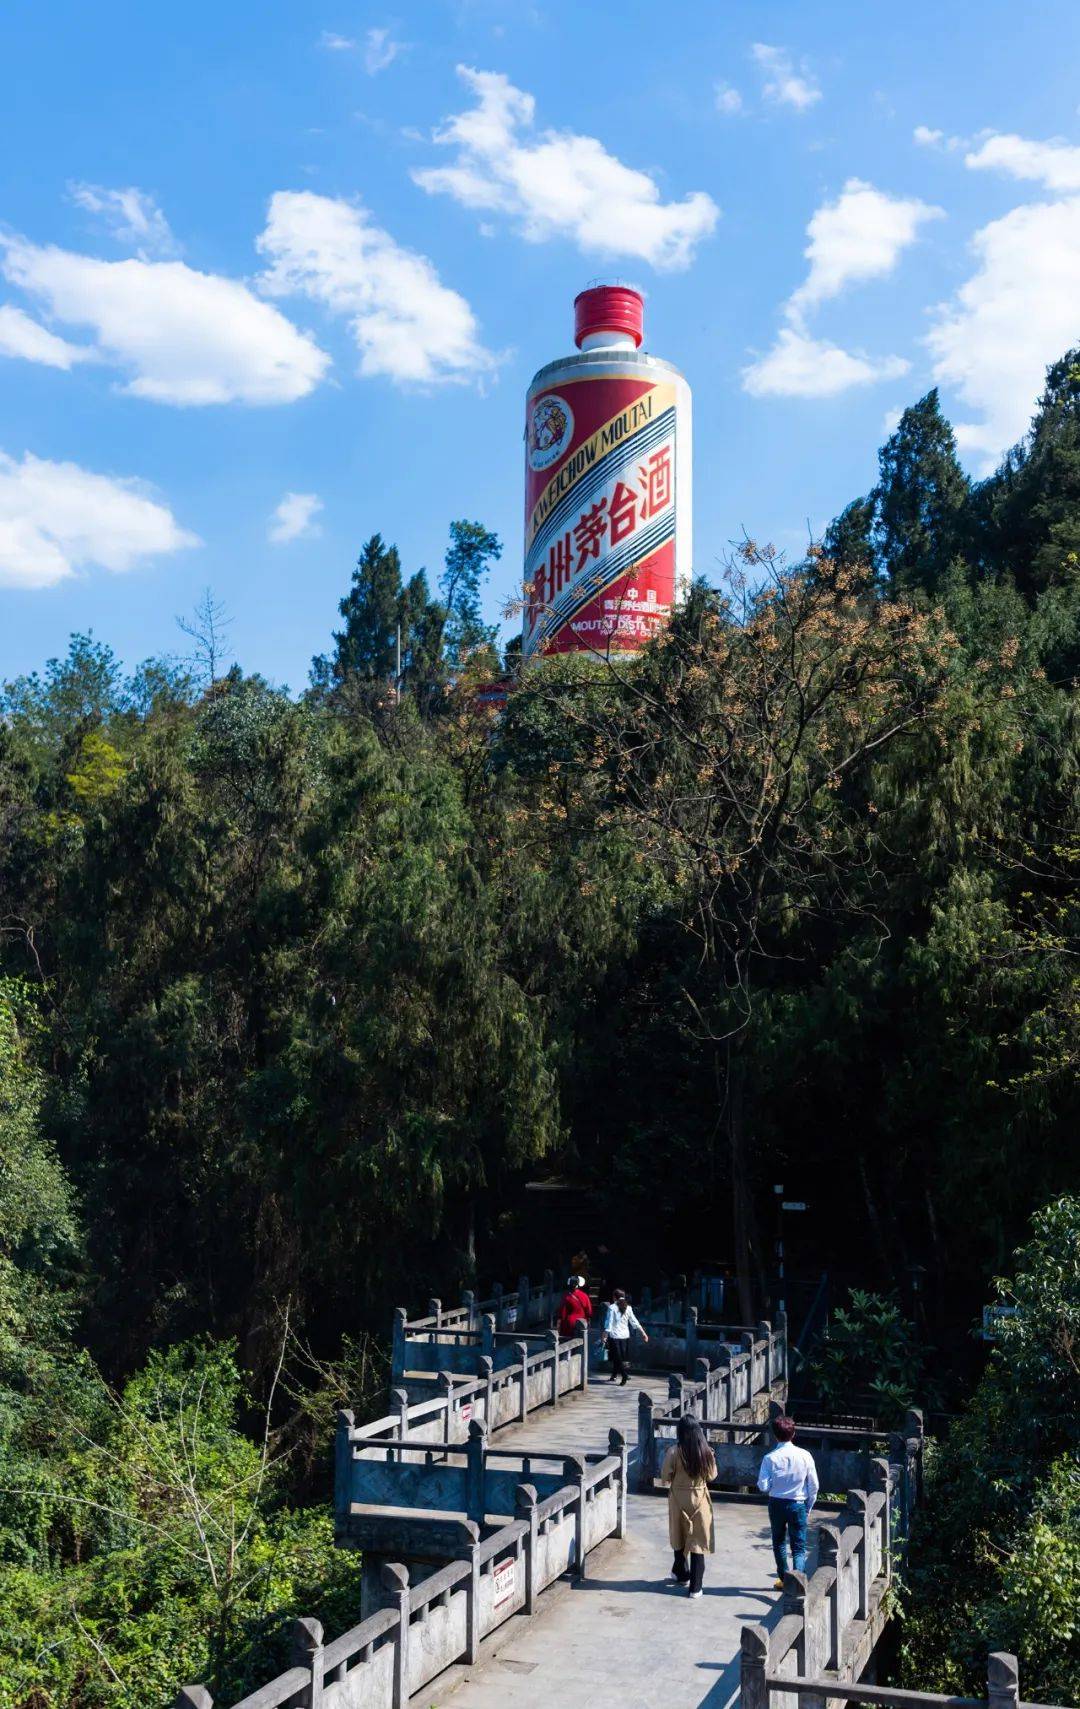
[(602, 364)]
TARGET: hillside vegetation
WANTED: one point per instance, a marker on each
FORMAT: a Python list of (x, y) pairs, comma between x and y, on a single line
[(295, 990)]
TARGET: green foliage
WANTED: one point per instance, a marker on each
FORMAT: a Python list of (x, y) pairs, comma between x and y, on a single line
[(996, 1556), (173, 1555), (871, 1351)]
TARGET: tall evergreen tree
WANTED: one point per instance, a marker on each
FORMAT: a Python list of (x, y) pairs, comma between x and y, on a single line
[(849, 538), (1032, 504), (920, 498), (366, 646), (469, 557)]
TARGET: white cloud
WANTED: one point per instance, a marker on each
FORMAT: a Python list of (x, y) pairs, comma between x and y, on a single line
[(183, 337), (1054, 164), (1015, 314), (335, 43), (21, 336), (407, 324), (927, 138), (799, 366), (859, 236), (132, 216), (56, 518), (728, 99), (380, 50), (556, 183), (890, 421), (293, 518), (783, 84)]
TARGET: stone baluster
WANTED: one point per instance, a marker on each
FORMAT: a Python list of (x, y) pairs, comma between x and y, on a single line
[(524, 1291), (552, 1342), (617, 1447), (398, 1354), (307, 1651), (1003, 1680), (646, 1443), (574, 1472), (856, 1505), (474, 1472), (395, 1582), (525, 1505), (468, 1300), (193, 1697), (753, 1659), (471, 1552), (343, 1463), (763, 1332), (522, 1350)]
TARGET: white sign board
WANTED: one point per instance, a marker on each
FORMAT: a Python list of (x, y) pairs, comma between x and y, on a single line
[(502, 1580)]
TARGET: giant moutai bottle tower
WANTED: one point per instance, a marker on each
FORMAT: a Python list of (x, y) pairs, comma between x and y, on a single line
[(608, 514)]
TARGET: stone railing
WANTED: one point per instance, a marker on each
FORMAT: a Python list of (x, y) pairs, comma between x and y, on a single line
[(833, 1619), (739, 1385), (427, 1626), (762, 1689)]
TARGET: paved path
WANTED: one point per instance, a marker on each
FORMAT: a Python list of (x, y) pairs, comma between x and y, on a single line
[(624, 1638)]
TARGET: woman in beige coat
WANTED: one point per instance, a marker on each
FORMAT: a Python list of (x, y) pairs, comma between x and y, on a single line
[(687, 1471)]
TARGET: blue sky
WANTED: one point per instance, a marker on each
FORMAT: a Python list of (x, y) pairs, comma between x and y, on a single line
[(275, 277)]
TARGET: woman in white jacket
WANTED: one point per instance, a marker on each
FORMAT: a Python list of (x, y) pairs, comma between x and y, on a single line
[(619, 1320)]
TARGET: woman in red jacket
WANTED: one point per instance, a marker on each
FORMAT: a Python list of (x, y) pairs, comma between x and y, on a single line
[(576, 1308)]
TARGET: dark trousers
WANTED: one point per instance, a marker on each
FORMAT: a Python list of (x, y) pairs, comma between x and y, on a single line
[(693, 1575), (619, 1354), (788, 1519)]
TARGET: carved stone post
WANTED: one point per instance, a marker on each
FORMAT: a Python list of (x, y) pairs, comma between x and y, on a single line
[(856, 1504), (646, 1443), (675, 1392), (399, 1403), (488, 1325), (764, 1333), (522, 1349), (880, 1481), (781, 1371), (193, 1697), (746, 1343), (552, 1339), (584, 1357), (487, 1377), (725, 1384), (1003, 1680), (435, 1310), (753, 1657), (829, 1556), (617, 1446), (471, 1553), (691, 1337), (524, 1290), (497, 1298), (525, 1509), (795, 1603), (397, 1349), (701, 1379), (468, 1300), (342, 1469), (474, 1473), (395, 1581), (574, 1472), (307, 1651)]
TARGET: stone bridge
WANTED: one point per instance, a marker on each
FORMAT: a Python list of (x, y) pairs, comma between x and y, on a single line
[(534, 1572)]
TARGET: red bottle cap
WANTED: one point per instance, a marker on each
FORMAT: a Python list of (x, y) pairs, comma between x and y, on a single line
[(609, 308)]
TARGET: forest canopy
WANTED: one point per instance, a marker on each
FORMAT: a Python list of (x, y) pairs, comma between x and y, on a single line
[(296, 990)]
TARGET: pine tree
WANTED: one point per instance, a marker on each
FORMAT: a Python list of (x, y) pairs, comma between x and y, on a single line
[(367, 646), (1032, 504), (921, 499), (849, 538), (469, 557)]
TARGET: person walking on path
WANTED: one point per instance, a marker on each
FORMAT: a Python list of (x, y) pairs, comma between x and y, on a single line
[(576, 1309), (687, 1471), (788, 1476), (619, 1320)]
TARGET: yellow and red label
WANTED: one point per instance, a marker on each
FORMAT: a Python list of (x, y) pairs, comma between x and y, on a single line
[(599, 514)]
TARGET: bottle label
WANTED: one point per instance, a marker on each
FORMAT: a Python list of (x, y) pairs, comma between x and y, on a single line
[(599, 514)]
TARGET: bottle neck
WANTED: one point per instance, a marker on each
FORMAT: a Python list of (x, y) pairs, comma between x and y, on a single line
[(608, 340)]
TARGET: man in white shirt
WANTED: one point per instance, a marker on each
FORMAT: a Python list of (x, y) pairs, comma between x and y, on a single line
[(619, 1320), (788, 1476)]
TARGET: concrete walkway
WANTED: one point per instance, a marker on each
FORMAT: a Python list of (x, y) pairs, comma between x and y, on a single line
[(624, 1638)]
